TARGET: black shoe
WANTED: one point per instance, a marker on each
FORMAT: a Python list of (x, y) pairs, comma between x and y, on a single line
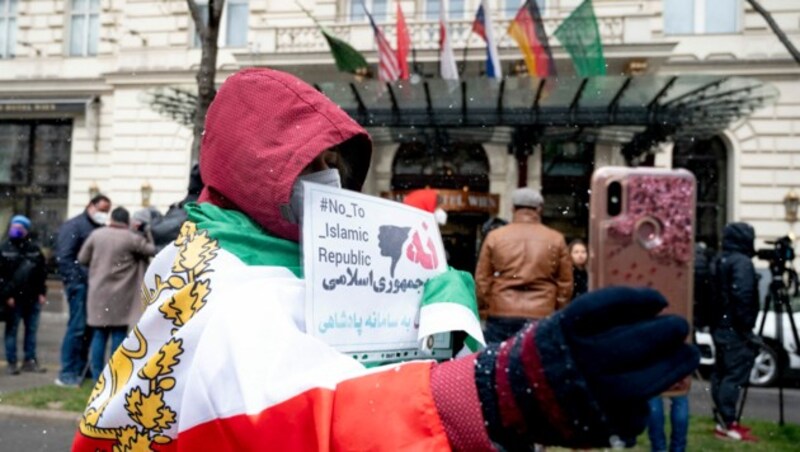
[(12, 369), (33, 366)]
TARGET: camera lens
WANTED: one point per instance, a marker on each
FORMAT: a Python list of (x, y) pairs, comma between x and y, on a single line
[(614, 201)]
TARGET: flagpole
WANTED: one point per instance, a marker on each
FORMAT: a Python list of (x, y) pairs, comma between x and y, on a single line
[(464, 55)]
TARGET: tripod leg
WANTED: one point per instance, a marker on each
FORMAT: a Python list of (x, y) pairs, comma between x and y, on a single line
[(767, 305)]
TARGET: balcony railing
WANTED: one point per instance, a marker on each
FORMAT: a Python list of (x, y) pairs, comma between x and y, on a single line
[(425, 33)]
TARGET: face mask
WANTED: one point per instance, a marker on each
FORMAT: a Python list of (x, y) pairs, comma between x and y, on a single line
[(440, 215), (329, 177), (100, 218), (17, 232)]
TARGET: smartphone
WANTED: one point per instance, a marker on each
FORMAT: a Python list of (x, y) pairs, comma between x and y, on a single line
[(642, 232)]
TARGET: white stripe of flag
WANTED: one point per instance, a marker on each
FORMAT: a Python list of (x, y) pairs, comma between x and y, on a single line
[(388, 67)]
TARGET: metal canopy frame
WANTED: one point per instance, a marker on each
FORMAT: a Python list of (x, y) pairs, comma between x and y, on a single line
[(676, 106)]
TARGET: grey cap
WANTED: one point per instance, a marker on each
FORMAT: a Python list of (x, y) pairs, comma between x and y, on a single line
[(526, 197)]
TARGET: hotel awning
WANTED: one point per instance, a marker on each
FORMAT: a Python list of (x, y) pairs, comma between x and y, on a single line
[(661, 107)]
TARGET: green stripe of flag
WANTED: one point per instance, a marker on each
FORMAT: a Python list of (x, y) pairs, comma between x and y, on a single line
[(347, 58), (580, 36)]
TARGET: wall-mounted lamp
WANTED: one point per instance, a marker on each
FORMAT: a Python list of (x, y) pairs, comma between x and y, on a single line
[(147, 193), (791, 202), (94, 190)]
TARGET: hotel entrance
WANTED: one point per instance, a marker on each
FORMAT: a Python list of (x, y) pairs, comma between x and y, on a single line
[(459, 171)]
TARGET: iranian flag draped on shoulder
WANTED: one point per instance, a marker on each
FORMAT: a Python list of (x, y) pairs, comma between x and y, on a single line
[(250, 341), (225, 354)]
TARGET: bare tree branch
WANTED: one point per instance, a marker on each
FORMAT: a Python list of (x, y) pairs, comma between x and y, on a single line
[(776, 29), (197, 17), (207, 72)]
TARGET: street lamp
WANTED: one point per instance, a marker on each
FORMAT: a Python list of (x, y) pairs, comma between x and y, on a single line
[(791, 202), (147, 193), (94, 190)]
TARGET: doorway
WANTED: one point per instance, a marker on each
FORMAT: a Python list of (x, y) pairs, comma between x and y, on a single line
[(34, 176), (708, 161), (460, 166)]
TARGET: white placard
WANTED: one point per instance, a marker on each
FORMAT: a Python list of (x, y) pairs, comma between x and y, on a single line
[(366, 260)]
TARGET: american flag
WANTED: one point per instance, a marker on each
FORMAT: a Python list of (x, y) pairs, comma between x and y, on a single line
[(388, 67)]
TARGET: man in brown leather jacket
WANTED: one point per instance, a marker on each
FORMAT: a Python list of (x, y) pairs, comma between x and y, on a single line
[(524, 271)]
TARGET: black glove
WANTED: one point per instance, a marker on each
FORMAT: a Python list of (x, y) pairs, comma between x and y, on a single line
[(582, 377)]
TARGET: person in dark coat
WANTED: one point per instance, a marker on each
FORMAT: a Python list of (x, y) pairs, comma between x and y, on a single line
[(71, 235), (732, 328), (22, 281), (166, 229), (580, 277)]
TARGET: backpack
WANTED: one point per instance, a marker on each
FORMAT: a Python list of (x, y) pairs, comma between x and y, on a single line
[(717, 298), (703, 290)]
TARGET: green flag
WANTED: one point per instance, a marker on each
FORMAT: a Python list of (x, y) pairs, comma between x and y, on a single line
[(347, 58), (580, 36)]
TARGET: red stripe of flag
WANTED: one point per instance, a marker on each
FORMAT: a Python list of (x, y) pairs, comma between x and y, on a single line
[(403, 43)]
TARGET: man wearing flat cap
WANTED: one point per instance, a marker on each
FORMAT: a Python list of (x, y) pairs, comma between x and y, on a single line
[(523, 271)]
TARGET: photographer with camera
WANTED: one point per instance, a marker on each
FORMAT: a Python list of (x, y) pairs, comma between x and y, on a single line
[(734, 317)]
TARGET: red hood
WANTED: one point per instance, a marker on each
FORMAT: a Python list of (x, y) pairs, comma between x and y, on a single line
[(262, 129)]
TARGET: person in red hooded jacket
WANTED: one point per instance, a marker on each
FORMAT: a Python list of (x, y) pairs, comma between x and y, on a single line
[(221, 360)]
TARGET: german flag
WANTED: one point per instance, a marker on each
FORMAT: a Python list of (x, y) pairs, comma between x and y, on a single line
[(527, 29)]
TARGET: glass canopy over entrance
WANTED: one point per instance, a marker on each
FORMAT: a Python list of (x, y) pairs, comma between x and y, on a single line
[(656, 107)]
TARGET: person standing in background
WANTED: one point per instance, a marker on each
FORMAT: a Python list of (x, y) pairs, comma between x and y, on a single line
[(524, 270), (71, 235), (23, 276), (113, 255), (736, 283), (580, 277)]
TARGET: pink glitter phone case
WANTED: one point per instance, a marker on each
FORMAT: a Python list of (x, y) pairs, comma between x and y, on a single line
[(650, 243)]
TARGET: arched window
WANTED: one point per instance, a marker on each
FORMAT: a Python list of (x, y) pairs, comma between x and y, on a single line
[(708, 161)]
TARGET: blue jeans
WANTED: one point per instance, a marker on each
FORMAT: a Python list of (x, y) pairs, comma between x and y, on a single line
[(75, 348), (97, 351), (679, 417), (27, 312)]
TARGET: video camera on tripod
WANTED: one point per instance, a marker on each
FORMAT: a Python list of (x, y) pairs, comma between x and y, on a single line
[(784, 277), (781, 253)]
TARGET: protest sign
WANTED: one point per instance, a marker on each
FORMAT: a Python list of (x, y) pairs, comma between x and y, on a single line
[(366, 260)]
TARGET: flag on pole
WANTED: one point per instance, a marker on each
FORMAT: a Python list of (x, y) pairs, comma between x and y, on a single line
[(528, 31), (346, 57), (388, 67), (403, 43), (580, 36), (447, 59), (483, 28)]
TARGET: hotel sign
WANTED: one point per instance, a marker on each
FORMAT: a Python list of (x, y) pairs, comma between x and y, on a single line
[(34, 106), (458, 200)]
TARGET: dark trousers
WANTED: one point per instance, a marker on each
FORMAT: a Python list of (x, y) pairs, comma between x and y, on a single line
[(75, 348), (499, 329), (733, 361), (26, 312)]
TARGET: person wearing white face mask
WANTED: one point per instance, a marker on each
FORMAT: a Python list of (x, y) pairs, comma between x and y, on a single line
[(71, 235)]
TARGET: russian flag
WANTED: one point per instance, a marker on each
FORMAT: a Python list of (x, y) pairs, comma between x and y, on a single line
[(483, 27)]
